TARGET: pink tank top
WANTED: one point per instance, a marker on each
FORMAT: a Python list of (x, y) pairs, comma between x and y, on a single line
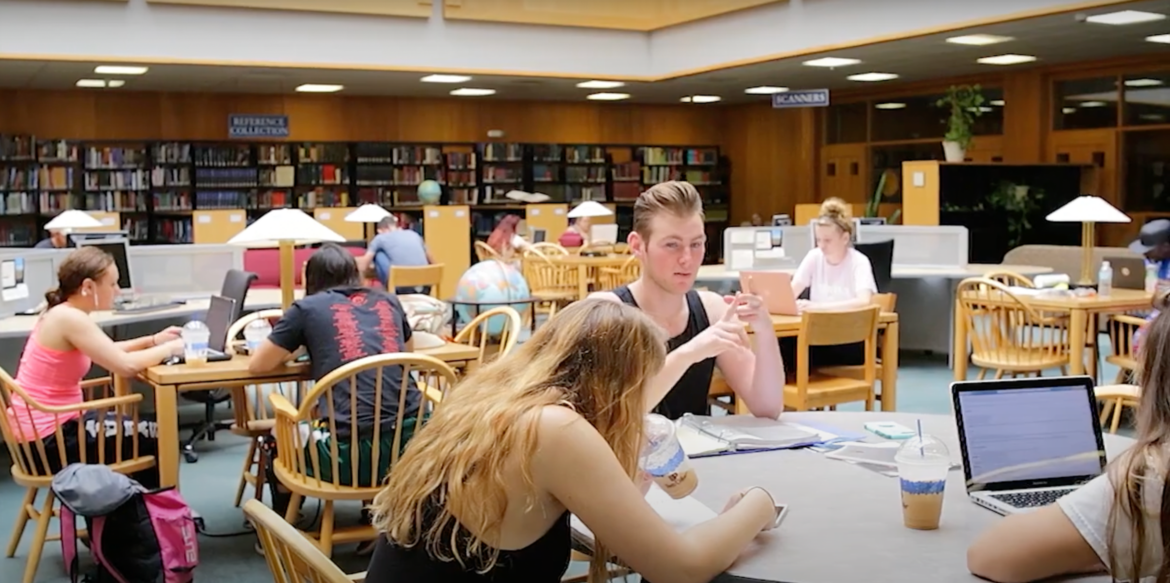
[(50, 377)]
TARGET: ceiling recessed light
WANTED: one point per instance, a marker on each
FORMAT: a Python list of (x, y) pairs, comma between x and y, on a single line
[(1093, 104), (872, 77), (1006, 59), (1143, 82), (700, 99), (996, 102), (1125, 17), (831, 62), (608, 96), (1159, 38), (315, 88), (764, 90), (600, 84), (445, 79), (100, 83), (979, 39), (890, 106), (472, 92), (119, 70), (1068, 110)]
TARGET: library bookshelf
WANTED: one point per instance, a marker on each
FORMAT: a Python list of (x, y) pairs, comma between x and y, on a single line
[(176, 192)]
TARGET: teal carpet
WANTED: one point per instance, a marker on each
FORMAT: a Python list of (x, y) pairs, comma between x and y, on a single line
[(210, 484)]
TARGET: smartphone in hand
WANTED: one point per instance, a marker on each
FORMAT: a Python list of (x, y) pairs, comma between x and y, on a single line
[(781, 512)]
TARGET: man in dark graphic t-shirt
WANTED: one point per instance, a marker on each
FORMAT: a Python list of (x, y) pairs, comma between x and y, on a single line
[(339, 326)]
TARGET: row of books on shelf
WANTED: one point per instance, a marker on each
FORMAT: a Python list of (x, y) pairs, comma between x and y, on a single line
[(24, 203)]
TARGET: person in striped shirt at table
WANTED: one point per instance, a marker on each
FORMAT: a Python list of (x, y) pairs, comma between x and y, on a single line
[(1153, 243)]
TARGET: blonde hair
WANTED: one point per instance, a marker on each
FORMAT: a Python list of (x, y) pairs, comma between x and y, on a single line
[(450, 481), (680, 199), (836, 212)]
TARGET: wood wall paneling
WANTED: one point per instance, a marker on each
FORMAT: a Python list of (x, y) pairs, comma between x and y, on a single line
[(1025, 119), (843, 173), (773, 159), (409, 8), (98, 115), (1099, 148)]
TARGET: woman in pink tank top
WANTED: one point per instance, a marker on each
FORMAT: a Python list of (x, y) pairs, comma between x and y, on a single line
[(59, 352)]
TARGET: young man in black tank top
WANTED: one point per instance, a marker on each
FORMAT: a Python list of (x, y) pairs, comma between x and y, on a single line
[(706, 330)]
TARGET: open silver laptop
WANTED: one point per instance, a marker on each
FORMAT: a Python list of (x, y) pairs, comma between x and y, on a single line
[(1027, 442), (1128, 272)]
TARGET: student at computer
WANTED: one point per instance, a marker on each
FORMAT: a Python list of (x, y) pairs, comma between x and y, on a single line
[(505, 240), (485, 490), (705, 330), (339, 321), (58, 239), (393, 245), (1114, 522), (64, 343), (577, 235), (837, 276)]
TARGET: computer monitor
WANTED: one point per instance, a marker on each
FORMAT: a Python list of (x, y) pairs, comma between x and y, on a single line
[(119, 249), (781, 221), (83, 236), (872, 220), (538, 235)]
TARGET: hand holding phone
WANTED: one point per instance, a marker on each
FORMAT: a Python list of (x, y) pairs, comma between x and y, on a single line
[(781, 512)]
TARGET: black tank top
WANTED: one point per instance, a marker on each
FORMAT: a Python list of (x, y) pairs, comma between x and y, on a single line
[(544, 561), (689, 394)]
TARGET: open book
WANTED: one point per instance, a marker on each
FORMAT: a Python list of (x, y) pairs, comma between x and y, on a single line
[(701, 435), (680, 514)]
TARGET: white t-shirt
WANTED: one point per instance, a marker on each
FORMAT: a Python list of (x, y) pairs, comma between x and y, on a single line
[(1088, 509), (835, 283)]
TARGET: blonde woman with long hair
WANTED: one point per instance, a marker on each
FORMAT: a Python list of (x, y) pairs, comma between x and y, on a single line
[(485, 489), (1118, 522)]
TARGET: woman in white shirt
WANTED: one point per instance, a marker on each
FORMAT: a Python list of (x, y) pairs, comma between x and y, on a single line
[(1115, 522), (838, 277)]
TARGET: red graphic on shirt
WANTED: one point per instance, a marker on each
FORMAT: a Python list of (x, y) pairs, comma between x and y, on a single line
[(388, 327), (349, 333)]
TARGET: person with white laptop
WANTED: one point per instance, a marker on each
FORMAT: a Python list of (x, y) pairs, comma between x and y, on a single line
[(1112, 523)]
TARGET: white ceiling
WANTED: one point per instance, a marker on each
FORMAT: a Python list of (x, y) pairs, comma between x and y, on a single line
[(1053, 39)]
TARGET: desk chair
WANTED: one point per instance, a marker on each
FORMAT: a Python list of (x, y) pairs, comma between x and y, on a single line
[(819, 390), (881, 258), (30, 460), (1122, 328), (236, 284), (888, 304), (1007, 335), (292, 558), (1113, 399), (424, 276), (311, 467), (479, 333)]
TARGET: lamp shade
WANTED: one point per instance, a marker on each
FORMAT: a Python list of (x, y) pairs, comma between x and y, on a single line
[(589, 208), (1088, 209), (367, 213), (286, 225), (73, 219)]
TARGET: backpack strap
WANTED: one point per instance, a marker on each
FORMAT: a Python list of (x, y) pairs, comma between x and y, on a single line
[(69, 541), (95, 538)]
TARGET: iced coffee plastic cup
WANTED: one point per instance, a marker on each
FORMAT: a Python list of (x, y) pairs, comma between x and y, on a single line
[(664, 459), (923, 465)]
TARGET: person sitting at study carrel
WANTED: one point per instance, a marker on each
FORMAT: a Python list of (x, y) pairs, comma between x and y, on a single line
[(393, 245), (1117, 521), (337, 322), (504, 239), (838, 277), (63, 344), (485, 490), (58, 239), (705, 330)]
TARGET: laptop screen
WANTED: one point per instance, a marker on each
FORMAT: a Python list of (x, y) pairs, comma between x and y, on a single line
[(219, 318), (1028, 435)]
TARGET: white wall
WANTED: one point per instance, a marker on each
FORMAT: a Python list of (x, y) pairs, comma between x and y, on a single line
[(138, 30)]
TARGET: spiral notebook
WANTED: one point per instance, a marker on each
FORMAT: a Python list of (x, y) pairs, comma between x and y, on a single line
[(701, 435)]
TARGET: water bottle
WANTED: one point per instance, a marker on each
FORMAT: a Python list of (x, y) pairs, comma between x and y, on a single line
[(664, 459), (1151, 277), (195, 338), (1105, 280), (255, 333)]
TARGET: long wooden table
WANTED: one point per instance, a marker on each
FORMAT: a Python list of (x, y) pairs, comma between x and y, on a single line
[(1079, 309), (169, 380)]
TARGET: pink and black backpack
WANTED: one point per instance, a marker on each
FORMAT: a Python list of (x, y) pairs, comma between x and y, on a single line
[(135, 535)]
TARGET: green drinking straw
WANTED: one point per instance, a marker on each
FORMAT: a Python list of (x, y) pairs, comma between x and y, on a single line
[(921, 450)]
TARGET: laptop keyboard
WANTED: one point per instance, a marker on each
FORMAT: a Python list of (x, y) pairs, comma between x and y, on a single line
[(1034, 499)]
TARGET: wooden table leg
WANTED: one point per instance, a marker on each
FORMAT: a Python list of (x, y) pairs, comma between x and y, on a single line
[(959, 348), (166, 411), (1077, 326), (890, 368)]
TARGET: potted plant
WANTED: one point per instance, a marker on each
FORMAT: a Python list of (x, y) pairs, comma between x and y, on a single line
[(965, 103), (873, 207)]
